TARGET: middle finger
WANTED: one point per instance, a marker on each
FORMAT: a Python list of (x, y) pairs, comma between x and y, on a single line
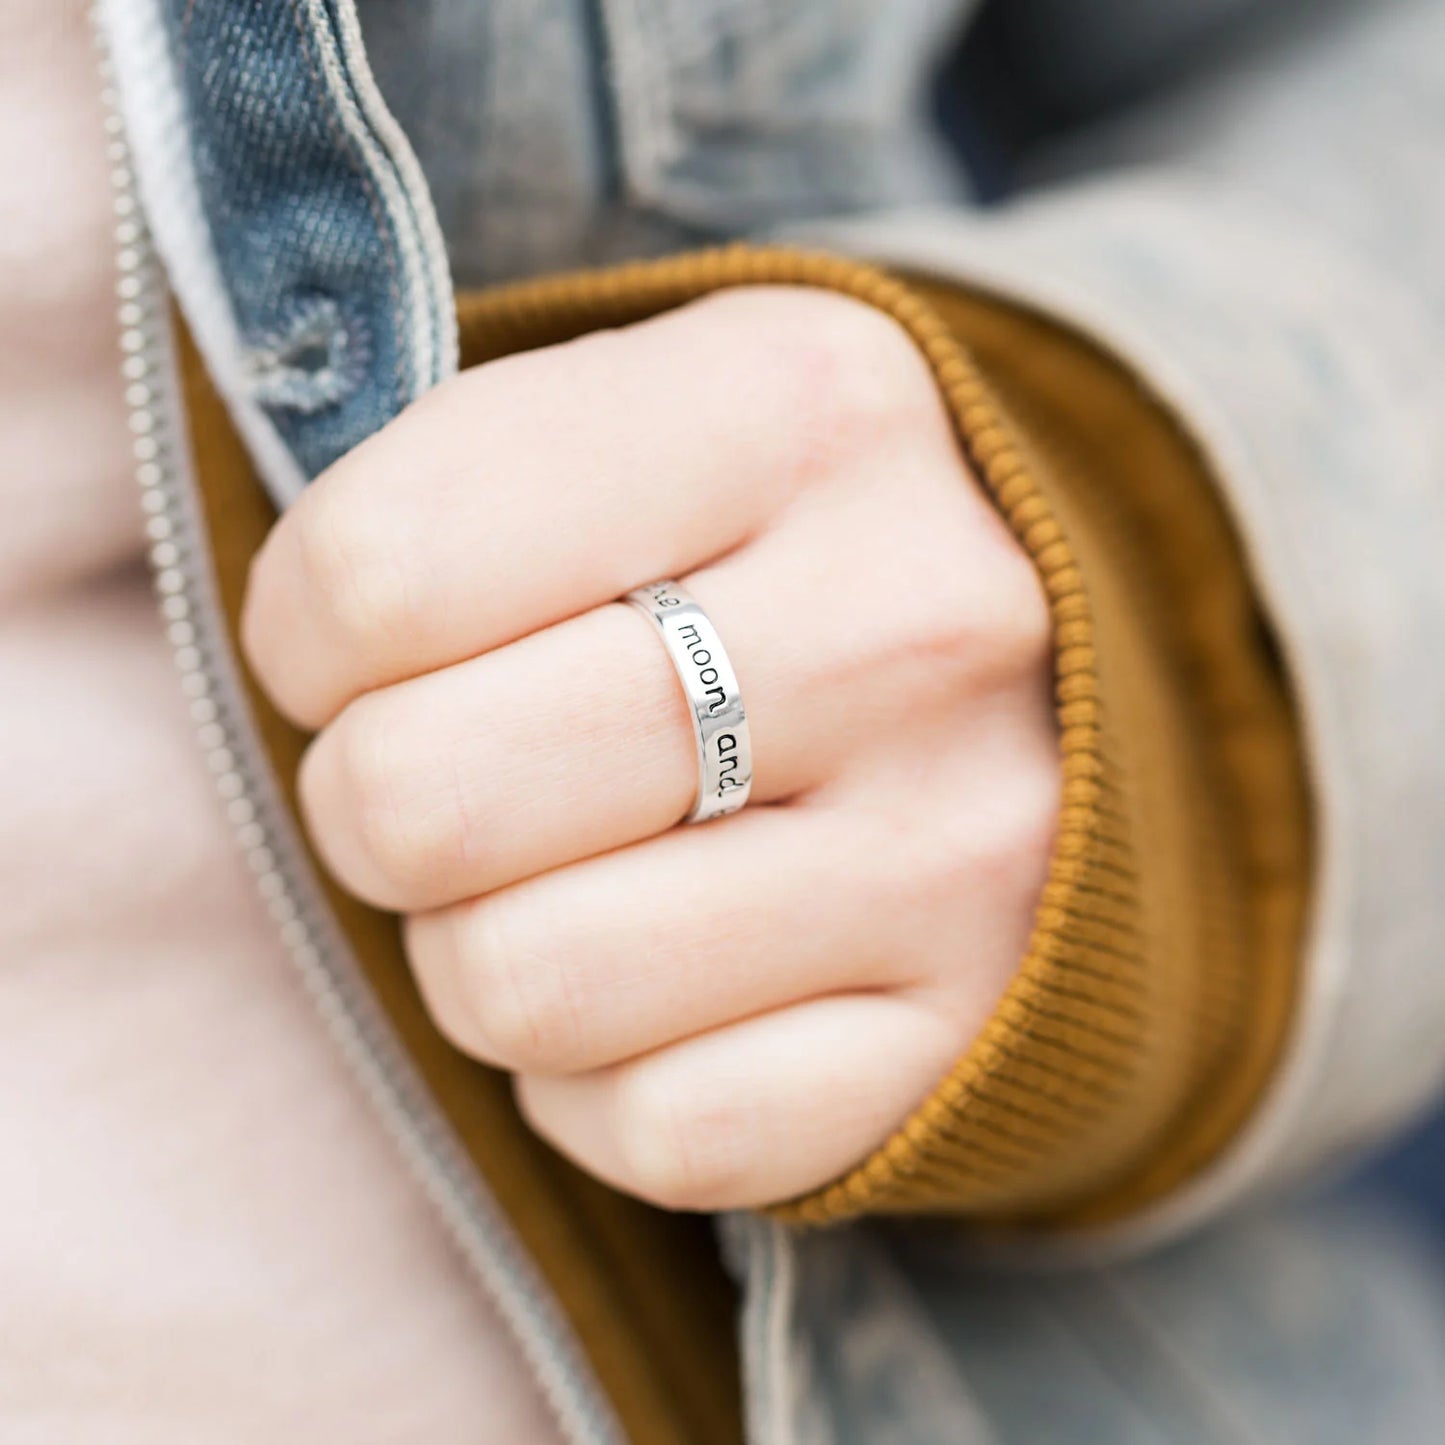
[(531, 489), (562, 745)]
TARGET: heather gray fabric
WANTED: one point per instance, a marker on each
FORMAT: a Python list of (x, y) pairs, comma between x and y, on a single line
[(1316, 1324), (1261, 244), (559, 133), (1263, 247)]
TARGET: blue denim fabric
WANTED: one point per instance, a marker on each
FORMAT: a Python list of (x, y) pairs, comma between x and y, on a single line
[(312, 242), (552, 133)]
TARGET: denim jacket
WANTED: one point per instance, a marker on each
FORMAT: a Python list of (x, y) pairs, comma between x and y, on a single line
[(315, 175)]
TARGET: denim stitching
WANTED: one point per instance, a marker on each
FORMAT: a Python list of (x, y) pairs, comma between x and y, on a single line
[(358, 166)]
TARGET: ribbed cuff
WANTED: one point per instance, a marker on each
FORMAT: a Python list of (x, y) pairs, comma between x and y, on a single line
[(1147, 1015)]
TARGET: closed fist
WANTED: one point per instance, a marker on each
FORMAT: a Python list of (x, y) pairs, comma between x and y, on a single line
[(715, 1016)]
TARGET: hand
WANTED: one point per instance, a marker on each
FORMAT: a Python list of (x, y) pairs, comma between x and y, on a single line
[(715, 1016)]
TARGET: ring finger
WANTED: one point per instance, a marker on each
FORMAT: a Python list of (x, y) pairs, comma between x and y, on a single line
[(564, 744), (618, 955)]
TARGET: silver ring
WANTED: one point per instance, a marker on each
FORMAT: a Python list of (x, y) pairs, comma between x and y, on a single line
[(724, 746)]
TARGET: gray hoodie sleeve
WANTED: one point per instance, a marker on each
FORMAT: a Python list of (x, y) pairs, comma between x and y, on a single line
[(1265, 245)]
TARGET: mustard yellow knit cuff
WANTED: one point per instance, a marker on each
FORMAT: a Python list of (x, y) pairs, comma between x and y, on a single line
[(1156, 992), (1151, 1007)]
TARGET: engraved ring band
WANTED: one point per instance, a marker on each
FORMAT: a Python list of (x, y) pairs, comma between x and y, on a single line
[(724, 747)]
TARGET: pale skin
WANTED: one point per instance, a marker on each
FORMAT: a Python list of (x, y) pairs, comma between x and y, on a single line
[(710, 1017)]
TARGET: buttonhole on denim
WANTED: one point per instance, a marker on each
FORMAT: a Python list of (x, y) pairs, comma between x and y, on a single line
[(312, 362)]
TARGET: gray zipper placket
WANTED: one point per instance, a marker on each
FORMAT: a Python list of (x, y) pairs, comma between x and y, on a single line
[(194, 628)]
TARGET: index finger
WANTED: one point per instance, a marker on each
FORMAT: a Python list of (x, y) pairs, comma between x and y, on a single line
[(539, 486)]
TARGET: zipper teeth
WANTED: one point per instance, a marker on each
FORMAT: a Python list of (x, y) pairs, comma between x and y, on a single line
[(292, 898)]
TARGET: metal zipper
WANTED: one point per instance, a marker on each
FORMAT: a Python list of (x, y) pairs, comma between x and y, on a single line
[(191, 614)]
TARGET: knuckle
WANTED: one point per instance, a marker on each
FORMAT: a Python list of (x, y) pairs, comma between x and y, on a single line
[(1015, 857), (982, 625), (1019, 617), (877, 371), (941, 644), (1036, 831), (682, 1151), (259, 609), (848, 377), (520, 994), (999, 850), (353, 568), (434, 944), (394, 826)]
